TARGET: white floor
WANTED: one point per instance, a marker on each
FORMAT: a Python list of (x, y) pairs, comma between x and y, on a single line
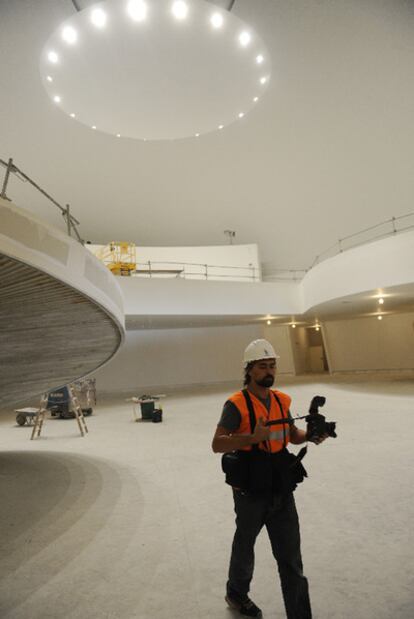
[(134, 521)]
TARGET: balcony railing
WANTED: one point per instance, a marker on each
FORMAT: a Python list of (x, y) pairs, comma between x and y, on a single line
[(194, 270), (367, 235)]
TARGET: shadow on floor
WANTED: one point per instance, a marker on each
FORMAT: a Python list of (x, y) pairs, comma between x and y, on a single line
[(52, 506)]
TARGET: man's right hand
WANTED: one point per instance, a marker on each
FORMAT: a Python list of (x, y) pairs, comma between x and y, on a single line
[(261, 432)]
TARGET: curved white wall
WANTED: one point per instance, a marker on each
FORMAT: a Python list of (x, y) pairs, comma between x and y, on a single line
[(380, 264), (176, 296)]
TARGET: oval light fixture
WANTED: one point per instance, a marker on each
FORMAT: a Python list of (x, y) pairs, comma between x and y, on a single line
[(116, 78)]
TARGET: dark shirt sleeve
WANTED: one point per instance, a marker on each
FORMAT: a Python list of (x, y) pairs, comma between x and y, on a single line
[(230, 417)]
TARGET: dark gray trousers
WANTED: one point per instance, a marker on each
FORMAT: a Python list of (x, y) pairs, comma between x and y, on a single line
[(278, 513)]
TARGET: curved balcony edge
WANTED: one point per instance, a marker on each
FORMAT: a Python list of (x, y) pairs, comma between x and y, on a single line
[(28, 239)]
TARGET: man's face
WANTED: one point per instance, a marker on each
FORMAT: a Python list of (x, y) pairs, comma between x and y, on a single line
[(263, 372)]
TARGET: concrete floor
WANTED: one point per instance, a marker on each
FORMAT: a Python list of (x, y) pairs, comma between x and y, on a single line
[(134, 521)]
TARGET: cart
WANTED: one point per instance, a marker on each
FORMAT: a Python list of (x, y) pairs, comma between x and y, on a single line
[(25, 416), (147, 406)]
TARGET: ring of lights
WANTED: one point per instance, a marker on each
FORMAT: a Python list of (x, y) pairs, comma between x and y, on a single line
[(155, 69)]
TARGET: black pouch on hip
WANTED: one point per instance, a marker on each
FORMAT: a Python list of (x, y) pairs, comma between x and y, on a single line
[(235, 466), (289, 470)]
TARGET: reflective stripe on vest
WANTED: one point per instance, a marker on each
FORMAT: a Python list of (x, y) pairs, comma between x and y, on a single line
[(276, 435)]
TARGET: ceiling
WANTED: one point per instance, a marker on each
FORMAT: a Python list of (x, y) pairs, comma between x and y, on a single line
[(326, 152)]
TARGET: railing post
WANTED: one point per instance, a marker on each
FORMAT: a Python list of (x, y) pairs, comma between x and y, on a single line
[(68, 222), (394, 229), (6, 179), (340, 246), (149, 268)]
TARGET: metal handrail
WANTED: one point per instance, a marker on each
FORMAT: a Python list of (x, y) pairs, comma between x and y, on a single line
[(198, 264), (152, 268), (11, 168), (338, 246)]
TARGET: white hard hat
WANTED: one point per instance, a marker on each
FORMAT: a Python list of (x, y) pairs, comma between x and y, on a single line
[(259, 349)]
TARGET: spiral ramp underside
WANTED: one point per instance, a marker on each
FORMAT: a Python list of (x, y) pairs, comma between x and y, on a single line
[(51, 331)]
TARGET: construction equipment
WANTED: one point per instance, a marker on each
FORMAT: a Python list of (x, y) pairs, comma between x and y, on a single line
[(74, 406), (119, 257), (147, 406), (60, 401)]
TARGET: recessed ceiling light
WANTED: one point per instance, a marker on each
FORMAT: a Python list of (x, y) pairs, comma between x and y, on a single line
[(197, 135), (137, 10), (57, 99), (217, 20), (256, 99), (93, 126), (244, 38), (259, 59), (118, 135), (263, 80), (220, 126), (73, 115), (53, 57), (98, 18), (179, 9), (69, 35), (87, 28)]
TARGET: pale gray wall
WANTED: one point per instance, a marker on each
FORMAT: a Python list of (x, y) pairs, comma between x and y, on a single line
[(279, 337), (178, 357), (169, 358), (182, 357), (299, 344), (371, 344)]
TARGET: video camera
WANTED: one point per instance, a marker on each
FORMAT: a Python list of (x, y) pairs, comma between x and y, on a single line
[(317, 426)]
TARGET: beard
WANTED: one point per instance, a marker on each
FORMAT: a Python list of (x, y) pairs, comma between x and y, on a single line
[(267, 381)]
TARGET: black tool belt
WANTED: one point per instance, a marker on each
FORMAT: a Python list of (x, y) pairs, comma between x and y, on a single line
[(260, 471)]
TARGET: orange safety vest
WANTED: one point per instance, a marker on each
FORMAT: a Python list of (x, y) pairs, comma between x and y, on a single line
[(279, 436)]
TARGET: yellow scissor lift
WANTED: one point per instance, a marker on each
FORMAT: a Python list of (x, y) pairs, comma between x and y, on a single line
[(120, 258)]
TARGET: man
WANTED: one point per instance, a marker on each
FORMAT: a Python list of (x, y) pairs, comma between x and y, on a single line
[(273, 506)]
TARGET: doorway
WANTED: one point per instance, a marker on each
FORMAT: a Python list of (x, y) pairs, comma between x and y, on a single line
[(309, 351)]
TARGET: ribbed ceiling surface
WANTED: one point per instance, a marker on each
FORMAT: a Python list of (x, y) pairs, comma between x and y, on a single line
[(50, 334)]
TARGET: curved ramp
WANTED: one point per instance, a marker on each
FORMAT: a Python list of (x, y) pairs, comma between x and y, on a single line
[(58, 321)]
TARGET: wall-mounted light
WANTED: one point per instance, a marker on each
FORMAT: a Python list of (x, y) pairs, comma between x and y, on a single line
[(379, 317), (269, 322), (293, 326), (381, 301)]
